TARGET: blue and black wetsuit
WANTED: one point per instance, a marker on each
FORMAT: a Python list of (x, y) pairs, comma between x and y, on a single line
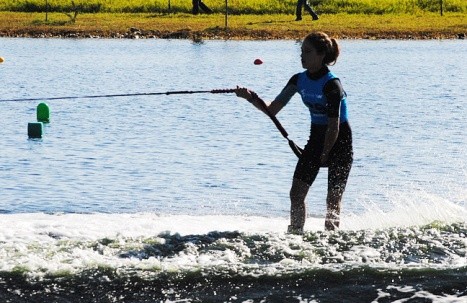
[(324, 96)]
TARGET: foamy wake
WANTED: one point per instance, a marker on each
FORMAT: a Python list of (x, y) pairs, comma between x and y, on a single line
[(38, 242)]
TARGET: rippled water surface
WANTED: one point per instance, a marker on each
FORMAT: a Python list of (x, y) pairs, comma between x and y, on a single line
[(210, 153)]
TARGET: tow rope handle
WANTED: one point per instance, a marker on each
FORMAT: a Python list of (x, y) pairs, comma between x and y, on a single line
[(295, 148)]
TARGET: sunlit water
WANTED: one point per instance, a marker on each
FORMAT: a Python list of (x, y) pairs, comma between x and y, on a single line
[(117, 185)]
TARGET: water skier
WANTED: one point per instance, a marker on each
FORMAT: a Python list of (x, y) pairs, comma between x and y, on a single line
[(330, 141)]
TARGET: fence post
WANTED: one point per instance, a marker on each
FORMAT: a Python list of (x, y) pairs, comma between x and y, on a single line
[(226, 13)]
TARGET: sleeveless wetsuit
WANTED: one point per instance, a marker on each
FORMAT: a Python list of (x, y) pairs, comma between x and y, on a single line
[(324, 96)]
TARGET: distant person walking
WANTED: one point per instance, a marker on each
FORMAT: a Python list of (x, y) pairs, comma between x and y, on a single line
[(298, 12), (197, 4)]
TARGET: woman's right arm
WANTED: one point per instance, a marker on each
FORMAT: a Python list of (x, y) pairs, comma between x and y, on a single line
[(275, 106), (284, 96)]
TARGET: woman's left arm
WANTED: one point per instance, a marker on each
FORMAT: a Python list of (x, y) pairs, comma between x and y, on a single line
[(330, 138), (334, 93)]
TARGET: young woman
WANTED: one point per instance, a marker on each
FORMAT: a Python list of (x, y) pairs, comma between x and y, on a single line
[(330, 141)]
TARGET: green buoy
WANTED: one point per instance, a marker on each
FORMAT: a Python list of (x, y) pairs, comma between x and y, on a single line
[(43, 113), (35, 130)]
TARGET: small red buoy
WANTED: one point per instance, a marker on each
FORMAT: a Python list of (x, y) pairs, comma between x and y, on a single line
[(258, 62)]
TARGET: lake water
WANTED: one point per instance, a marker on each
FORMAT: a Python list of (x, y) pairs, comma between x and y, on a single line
[(184, 193)]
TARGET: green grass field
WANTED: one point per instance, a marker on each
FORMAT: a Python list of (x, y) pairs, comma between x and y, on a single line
[(377, 7)]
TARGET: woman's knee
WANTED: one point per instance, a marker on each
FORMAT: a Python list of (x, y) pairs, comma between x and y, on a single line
[(299, 190)]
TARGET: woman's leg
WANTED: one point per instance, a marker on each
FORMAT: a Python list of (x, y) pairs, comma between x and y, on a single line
[(338, 174), (298, 194), (305, 173), (333, 202)]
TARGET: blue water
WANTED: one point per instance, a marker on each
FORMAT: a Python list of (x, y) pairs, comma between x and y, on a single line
[(114, 182)]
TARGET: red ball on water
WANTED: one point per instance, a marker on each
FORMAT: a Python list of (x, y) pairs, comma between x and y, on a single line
[(258, 62)]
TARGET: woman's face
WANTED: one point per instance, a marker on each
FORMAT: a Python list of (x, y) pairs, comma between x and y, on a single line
[(311, 59)]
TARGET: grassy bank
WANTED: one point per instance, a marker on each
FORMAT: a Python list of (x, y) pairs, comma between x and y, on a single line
[(264, 26)]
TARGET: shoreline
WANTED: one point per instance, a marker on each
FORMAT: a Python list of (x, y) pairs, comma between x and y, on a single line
[(240, 27), (220, 34)]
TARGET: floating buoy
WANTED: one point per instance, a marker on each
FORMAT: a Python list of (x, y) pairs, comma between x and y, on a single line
[(258, 62), (2, 60), (43, 113), (35, 130)]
